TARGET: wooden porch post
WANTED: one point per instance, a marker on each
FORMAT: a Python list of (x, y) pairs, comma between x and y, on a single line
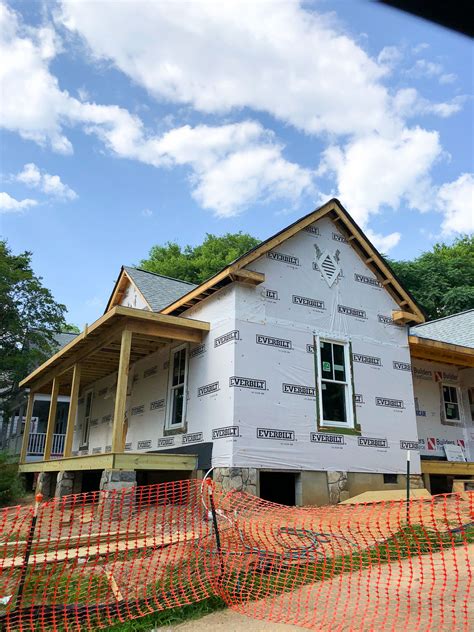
[(26, 433), (71, 417), (121, 393), (51, 420)]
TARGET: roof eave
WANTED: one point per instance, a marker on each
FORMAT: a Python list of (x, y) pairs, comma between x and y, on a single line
[(410, 311)]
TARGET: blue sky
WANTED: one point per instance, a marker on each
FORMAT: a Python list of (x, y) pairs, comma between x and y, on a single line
[(124, 128)]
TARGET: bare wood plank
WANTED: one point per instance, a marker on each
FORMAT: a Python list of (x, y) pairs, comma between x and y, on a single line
[(98, 550), (51, 419), (165, 331), (121, 392), (71, 417), (26, 433)]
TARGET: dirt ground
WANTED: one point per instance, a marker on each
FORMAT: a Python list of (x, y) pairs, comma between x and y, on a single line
[(424, 593)]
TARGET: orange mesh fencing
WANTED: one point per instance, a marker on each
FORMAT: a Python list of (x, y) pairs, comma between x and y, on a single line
[(89, 561)]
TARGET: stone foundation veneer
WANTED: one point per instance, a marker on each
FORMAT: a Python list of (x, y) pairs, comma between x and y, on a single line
[(239, 479), (44, 484), (337, 486), (115, 506), (65, 484)]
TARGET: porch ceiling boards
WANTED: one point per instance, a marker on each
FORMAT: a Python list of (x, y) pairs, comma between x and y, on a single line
[(111, 460), (444, 352), (97, 348)]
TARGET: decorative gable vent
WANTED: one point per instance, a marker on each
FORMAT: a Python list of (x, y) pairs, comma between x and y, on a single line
[(328, 265)]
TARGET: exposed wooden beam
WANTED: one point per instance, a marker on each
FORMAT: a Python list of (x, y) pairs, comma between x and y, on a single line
[(454, 468), (426, 349), (53, 404), (248, 276), (165, 331), (71, 417), (121, 461), (401, 318), (26, 432), (121, 391)]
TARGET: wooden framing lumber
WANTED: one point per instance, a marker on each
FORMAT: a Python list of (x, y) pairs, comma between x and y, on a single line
[(53, 404), (401, 317), (165, 332), (26, 432), (111, 461), (454, 468), (335, 211), (100, 334), (426, 349), (71, 417), (248, 276), (99, 550), (121, 391)]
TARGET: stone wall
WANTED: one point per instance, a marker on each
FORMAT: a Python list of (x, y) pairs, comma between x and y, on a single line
[(112, 504), (338, 487), (118, 479), (239, 479), (65, 484), (45, 484)]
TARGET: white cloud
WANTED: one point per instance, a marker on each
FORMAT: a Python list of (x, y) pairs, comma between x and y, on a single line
[(147, 212), (425, 68), (376, 172), (384, 243), (389, 57), (419, 48), (9, 204), (408, 103), (33, 177), (278, 58), (32, 102), (447, 78), (431, 69), (274, 57), (456, 202), (211, 152)]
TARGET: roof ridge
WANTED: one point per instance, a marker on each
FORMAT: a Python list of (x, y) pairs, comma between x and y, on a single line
[(163, 276), (437, 320)]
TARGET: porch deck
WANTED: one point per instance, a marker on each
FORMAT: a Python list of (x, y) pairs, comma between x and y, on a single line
[(115, 461)]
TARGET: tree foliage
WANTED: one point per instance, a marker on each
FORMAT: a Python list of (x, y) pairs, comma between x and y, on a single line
[(29, 317), (198, 263), (442, 279)]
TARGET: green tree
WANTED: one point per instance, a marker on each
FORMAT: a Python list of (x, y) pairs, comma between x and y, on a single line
[(442, 280), (29, 317), (198, 263)]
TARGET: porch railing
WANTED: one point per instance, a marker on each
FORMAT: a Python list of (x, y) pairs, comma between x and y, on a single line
[(37, 440)]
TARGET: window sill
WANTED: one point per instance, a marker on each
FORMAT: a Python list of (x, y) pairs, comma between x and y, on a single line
[(344, 431), (170, 432)]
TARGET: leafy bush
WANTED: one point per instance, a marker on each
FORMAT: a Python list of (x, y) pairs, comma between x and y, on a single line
[(11, 483)]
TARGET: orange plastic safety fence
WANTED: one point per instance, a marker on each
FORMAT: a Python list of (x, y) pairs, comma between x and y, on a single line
[(89, 561)]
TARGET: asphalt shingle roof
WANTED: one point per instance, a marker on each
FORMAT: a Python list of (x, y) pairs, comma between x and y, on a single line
[(159, 291), (63, 338), (457, 329)]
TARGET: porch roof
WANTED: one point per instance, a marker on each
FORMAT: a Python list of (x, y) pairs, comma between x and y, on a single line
[(97, 348)]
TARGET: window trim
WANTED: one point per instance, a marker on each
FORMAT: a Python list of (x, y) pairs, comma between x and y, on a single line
[(350, 424), (445, 420), (169, 407)]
